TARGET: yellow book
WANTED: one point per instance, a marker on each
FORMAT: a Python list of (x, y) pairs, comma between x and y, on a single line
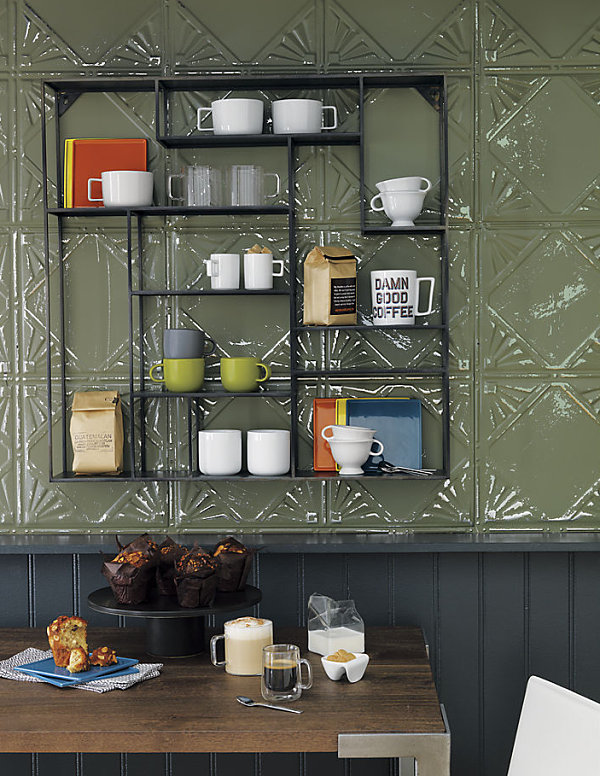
[(68, 173)]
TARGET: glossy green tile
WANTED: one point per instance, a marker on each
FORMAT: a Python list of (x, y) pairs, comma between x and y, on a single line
[(5, 145), (541, 298), (538, 443), (203, 38), (522, 34), (260, 507), (439, 34), (53, 36), (540, 133)]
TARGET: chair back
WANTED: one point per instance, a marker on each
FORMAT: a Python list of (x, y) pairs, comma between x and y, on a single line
[(558, 733)]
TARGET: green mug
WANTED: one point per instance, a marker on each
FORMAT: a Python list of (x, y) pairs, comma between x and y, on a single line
[(242, 375), (180, 375)]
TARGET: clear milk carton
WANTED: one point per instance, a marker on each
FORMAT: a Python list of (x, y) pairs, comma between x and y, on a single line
[(334, 625)]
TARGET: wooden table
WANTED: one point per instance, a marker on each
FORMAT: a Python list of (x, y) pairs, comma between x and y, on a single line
[(392, 712)]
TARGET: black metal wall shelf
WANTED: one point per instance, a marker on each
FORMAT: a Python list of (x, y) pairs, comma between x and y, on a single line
[(431, 87)]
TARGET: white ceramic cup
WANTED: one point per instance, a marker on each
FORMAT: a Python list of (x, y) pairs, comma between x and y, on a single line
[(124, 188), (351, 454), (395, 296), (301, 116), (351, 433), (220, 452), (223, 270), (247, 185), (401, 207), (409, 183), (268, 451), (259, 270), (233, 116)]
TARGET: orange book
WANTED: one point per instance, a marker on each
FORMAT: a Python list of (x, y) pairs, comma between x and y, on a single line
[(92, 156), (323, 415)]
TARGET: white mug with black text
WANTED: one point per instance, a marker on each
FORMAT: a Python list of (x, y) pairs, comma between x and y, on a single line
[(395, 297)]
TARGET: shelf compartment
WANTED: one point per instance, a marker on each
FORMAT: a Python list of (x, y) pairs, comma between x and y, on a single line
[(369, 327), (217, 394), (416, 229), (308, 373), (196, 476), (249, 141), (169, 210), (213, 292)]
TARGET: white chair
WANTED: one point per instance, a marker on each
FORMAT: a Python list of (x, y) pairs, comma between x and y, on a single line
[(558, 733)]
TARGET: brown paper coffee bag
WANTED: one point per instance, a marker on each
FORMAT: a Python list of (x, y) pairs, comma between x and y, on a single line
[(330, 286), (97, 432)]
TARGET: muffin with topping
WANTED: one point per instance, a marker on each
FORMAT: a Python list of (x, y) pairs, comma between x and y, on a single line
[(195, 578), (169, 553), (234, 562)]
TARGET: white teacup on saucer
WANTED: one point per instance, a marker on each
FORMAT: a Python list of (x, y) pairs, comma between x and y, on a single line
[(401, 207), (350, 454), (409, 183), (347, 432)]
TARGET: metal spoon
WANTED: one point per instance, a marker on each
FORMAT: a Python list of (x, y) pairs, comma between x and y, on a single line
[(249, 702)]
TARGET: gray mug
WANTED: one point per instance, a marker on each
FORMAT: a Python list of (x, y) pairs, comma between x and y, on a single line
[(186, 343)]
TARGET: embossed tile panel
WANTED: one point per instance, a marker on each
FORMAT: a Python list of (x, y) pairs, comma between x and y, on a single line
[(537, 443)]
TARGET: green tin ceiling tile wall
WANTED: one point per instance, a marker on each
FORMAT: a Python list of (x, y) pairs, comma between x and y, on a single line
[(524, 123)]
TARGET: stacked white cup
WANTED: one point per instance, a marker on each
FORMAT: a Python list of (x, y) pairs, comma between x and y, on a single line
[(351, 446), (401, 198)]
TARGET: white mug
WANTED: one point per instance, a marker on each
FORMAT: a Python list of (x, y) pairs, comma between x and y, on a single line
[(234, 116), (301, 116), (223, 269), (220, 452), (259, 270), (395, 296), (123, 188), (268, 451)]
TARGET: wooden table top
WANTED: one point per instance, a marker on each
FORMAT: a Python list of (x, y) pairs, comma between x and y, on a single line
[(191, 707)]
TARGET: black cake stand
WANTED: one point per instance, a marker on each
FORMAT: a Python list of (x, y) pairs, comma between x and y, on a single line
[(172, 630)]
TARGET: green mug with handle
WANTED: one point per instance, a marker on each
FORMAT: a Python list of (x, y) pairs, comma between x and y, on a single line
[(243, 374), (180, 375)]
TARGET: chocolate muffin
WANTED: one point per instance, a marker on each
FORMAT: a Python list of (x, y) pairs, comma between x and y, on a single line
[(169, 553), (195, 578), (234, 563)]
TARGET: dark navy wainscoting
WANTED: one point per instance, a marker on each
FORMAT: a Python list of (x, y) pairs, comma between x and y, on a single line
[(490, 617)]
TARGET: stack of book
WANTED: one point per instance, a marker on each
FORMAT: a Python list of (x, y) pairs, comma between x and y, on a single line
[(395, 420), (89, 157)]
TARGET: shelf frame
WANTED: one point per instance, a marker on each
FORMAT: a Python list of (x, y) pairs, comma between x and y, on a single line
[(432, 88)]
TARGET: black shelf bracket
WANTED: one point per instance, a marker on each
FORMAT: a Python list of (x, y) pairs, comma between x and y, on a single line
[(432, 94), (65, 99)]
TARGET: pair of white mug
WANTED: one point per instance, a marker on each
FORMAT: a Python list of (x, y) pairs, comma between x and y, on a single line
[(259, 271), (395, 297), (245, 116), (123, 188), (220, 452)]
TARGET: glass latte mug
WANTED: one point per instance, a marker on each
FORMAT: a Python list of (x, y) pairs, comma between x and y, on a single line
[(244, 642), (281, 673)]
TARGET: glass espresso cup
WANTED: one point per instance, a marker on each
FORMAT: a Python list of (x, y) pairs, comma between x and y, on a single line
[(281, 674)]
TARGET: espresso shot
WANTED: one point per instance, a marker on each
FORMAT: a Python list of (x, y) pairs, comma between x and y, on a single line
[(281, 674)]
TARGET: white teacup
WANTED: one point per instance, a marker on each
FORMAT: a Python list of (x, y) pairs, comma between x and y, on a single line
[(259, 270), (234, 116), (352, 433), (351, 454), (301, 116), (401, 207), (124, 188), (410, 183)]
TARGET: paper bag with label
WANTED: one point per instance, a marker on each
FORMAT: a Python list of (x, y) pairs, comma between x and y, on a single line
[(97, 432), (330, 286)]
